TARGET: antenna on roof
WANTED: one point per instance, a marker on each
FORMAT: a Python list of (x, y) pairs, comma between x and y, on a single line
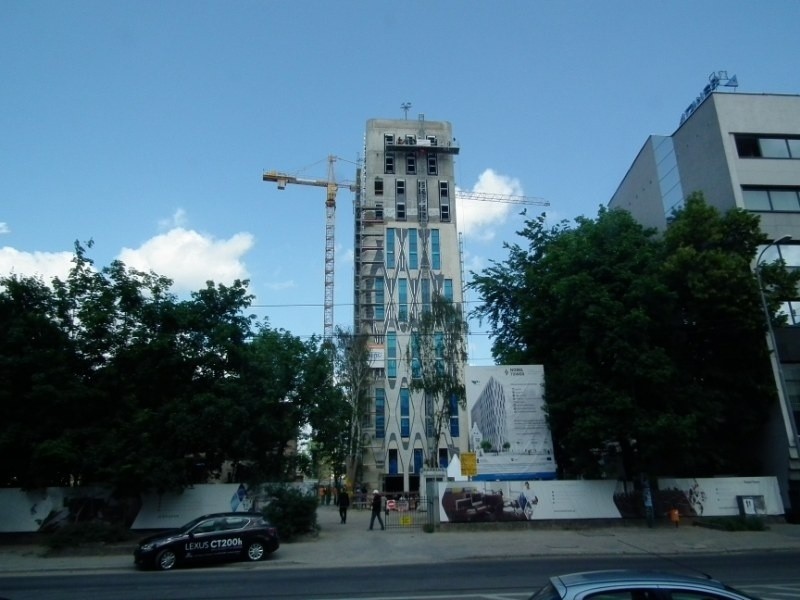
[(405, 106)]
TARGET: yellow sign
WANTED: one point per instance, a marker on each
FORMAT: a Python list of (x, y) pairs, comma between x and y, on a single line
[(469, 464)]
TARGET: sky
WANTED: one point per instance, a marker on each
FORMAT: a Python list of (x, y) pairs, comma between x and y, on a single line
[(145, 126)]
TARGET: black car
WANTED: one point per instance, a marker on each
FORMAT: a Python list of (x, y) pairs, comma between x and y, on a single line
[(215, 537)]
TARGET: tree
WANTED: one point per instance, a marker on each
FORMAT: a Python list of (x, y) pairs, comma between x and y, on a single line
[(353, 375), (436, 357), (640, 338)]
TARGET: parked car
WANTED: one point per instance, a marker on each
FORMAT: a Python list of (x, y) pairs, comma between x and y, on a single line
[(214, 537), (626, 584)]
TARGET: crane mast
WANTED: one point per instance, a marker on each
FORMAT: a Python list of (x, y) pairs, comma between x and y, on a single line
[(332, 187)]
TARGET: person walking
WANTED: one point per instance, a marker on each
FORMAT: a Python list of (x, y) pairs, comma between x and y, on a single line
[(344, 504), (376, 509)]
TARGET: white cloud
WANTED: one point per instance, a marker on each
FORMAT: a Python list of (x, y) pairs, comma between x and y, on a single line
[(44, 264), (190, 258), (4, 228), (478, 218), (177, 220)]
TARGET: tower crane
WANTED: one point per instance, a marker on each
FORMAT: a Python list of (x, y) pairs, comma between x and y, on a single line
[(505, 198), (332, 187)]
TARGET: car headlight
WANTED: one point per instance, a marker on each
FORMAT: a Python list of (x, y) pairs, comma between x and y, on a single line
[(147, 547)]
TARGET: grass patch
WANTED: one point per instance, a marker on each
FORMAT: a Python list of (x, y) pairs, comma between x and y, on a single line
[(733, 523)]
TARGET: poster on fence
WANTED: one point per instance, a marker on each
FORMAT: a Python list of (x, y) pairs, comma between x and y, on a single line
[(508, 426)]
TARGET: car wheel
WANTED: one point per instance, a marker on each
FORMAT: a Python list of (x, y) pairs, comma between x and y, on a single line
[(255, 551), (166, 560)]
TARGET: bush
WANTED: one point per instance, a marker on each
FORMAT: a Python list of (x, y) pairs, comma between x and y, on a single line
[(291, 511), (88, 532), (732, 523)]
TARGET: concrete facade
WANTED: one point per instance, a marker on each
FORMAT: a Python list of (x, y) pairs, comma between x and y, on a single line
[(741, 151), (406, 251)]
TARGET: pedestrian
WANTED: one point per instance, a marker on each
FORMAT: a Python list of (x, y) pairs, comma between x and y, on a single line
[(376, 509), (675, 516), (344, 503)]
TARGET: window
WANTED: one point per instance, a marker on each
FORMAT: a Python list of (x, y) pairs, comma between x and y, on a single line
[(393, 462), (391, 355), (413, 258), (388, 139), (378, 186), (771, 199), (426, 295), (433, 167), (379, 299), (432, 139), (448, 290), (418, 460), (411, 164), (388, 163), (402, 293), (444, 459), (444, 200), (756, 146), (379, 211), (454, 427), (380, 413), (416, 364), (438, 350), (400, 187), (436, 256), (405, 412), (401, 210), (390, 248)]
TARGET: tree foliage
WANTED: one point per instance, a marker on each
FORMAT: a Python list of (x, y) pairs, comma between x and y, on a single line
[(653, 347), (436, 356), (107, 377)]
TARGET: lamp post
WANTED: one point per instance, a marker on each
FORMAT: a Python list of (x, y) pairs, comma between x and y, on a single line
[(777, 369)]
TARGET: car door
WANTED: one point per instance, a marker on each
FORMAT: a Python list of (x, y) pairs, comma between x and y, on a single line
[(231, 540), (200, 543)]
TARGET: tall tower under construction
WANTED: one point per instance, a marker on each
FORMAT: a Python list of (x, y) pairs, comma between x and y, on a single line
[(407, 252)]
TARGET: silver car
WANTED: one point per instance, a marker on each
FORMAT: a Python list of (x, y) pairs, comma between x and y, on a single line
[(626, 584)]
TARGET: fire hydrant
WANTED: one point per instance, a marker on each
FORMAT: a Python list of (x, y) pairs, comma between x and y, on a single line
[(674, 516)]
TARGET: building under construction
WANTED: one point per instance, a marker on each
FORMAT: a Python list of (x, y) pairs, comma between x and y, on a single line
[(407, 252)]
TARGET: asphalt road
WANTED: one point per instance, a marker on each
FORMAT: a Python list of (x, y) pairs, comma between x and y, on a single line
[(771, 576)]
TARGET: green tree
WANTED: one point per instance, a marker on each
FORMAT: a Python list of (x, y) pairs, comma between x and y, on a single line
[(436, 357), (353, 375)]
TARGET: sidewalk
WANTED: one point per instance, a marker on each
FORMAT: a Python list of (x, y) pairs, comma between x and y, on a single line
[(353, 544)]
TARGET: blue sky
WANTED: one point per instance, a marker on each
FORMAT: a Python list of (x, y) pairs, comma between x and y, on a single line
[(146, 126)]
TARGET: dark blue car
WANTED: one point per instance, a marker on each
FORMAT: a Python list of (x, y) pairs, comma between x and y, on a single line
[(210, 538)]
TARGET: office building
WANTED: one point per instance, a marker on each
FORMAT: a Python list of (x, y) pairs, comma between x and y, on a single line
[(741, 151), (407, 251)]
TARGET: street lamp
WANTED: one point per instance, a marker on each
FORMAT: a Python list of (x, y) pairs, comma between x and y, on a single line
[(777, 369)]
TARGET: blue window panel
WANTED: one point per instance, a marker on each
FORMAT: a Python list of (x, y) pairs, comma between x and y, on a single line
[(426, 295), (454, 428), (405, 421), (438, 342), (443, 458), (418, 460), (380, 310), (391, 354), (402, 308), (390, 248), (380, 413), (448, 290), (436, 252), (413, 258), (393, 462), (416, 363)]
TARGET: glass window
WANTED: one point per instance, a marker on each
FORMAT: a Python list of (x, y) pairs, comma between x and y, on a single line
[(388, 163), (454, 428), (402, 308), (747, 146), (379, 299), (418, 460), (390, 248), (380, 413), (436, 256), (790, 254), (393, 462), (756, 199), (416, 364), (413, 258), (405, 412), (411, 164), (391, 355), (433, 167), (378, 186), (794, 148), (773, 148), (448, 290), (400, 187), (426, 295), (784, 200), (401, 210)]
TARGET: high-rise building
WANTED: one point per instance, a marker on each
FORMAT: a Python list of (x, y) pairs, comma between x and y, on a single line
[(407, 252), (740, 151)]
